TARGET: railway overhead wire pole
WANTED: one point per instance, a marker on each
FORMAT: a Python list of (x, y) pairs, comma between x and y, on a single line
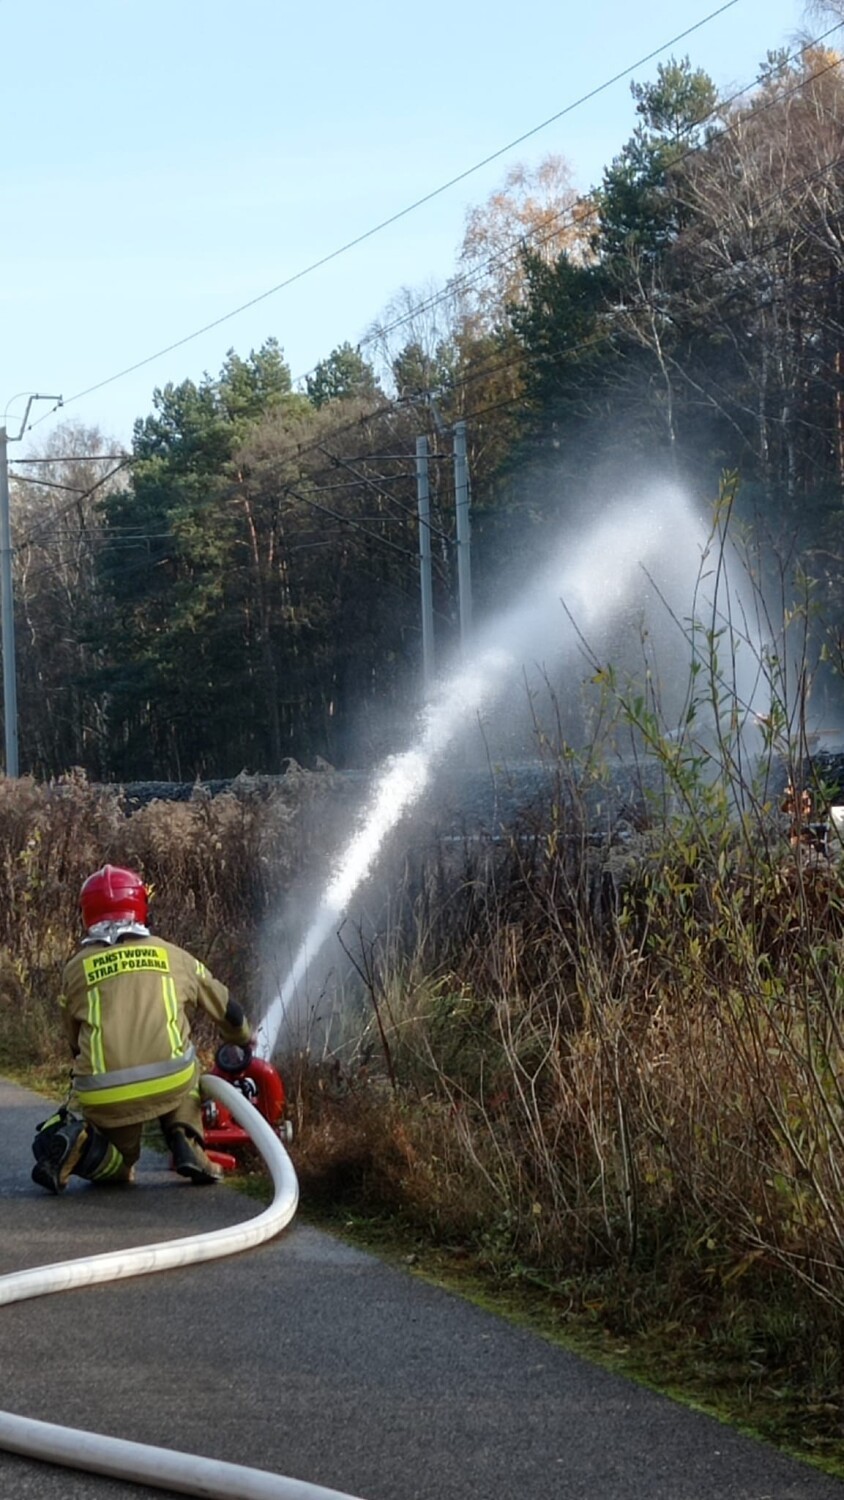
[(464, 569), (424, 503), (463, 539)]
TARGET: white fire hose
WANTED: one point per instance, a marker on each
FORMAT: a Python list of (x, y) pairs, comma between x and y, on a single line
[(182, 1473)]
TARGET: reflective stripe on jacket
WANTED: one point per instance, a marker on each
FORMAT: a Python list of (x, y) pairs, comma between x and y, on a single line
[(119, 1085), (125, 1008)]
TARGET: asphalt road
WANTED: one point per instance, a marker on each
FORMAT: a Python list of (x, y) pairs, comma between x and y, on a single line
[(315, 1360)]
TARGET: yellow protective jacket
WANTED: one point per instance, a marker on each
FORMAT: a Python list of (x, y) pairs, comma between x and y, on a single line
[(125, 1008)]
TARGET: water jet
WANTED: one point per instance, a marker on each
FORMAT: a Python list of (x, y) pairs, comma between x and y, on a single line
[(637, 574)]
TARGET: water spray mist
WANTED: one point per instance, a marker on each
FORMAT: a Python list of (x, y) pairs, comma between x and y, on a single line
[(590, 583)]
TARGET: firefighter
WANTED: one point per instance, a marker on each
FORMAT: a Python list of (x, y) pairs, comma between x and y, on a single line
[(126, 997)]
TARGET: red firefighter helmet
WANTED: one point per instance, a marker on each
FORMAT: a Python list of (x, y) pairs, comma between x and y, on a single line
[(113, 895)]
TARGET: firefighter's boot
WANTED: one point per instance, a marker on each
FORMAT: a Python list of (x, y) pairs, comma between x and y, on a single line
[(58, 1145), (189, 1158), (65, 1146)]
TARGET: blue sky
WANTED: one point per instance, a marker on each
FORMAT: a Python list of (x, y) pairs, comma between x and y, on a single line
[(166, 161)]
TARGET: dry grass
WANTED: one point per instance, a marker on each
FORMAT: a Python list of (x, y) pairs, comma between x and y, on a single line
[(642, 1106), (632, 1092), (216, 867)]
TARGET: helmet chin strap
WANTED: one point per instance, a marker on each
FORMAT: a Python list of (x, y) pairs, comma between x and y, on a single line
[(112, 931)]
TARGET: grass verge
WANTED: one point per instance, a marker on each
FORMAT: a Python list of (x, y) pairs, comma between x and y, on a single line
[(679, 1363), (730, 1361)]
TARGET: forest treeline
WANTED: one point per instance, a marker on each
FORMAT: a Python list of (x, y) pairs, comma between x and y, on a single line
[(243, 586)]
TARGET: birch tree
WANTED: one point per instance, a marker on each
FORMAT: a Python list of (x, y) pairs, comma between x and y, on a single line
[(60, 611)]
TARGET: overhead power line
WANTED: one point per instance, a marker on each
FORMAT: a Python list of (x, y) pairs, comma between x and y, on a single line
[(46, 484), (74, 458), (592, 342), (566, 218), (496, 365), (74, 503), (378, 486), (396, 217), (52, 523), (543, 234), (643, 304)]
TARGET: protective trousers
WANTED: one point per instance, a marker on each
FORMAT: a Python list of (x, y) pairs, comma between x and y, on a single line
[(67, 1145), (186, 1112)]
